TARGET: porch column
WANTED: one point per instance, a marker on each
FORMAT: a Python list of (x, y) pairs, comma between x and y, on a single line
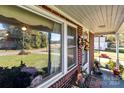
[(117, 50), (99, 47)]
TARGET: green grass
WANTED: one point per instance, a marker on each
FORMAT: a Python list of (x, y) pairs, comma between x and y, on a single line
[(33, 60), (110, 54)]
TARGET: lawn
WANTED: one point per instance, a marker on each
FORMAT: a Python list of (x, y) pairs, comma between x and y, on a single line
[(34, 60), (110, 54)]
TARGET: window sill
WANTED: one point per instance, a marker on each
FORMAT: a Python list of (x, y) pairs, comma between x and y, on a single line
[(51, 81)]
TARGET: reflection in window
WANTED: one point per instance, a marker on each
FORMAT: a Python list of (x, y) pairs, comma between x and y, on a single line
[(71, 46), (28, 58), (55, 52), (84, 57)]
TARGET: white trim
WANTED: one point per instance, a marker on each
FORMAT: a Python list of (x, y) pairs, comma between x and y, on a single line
[(76, 46), (41, 12), (71, 25), (72, 69), (54, 79), (117, 49), (36, 10), (64, 23), (51, 81), (71, 46)]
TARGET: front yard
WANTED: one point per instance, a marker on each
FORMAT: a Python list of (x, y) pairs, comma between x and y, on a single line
[(110, 54), (32, 60)]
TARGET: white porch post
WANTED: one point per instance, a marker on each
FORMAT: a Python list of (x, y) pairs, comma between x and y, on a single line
[(99, 47), (117, 50)]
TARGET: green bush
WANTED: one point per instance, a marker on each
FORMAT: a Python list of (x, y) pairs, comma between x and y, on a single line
[(122, 71), (114, 50), (111, 64), (122, 75), (43, 40), (35, 39), (27, 40), (121, 67)]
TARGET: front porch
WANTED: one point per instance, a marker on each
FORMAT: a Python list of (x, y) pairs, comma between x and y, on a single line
[(111, 81), (50, 45)]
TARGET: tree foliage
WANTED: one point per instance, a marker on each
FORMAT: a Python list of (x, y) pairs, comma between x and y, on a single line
[(28, 40)]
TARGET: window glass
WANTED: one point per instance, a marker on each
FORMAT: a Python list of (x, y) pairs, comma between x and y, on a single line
[(55, 52), (28, 57), (71, 35)]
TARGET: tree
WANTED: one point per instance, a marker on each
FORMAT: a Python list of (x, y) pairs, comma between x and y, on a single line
[(111, 38), (15, 34), (121, 40), (27, 40), (43, 40)]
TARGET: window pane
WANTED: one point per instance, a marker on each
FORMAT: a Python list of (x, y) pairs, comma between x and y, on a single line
[(55, 47), (55, 53), (71, 56), (71, 36), (84, 57), (25, 55), (71, 46), (71, 31)]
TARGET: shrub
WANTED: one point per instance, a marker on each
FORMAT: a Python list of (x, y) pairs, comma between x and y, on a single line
[(122, 75), (114, 50), (121, 67), (111, 65)]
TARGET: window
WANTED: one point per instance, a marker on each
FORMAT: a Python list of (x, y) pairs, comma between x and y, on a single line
[(28, 57), (71, 36)]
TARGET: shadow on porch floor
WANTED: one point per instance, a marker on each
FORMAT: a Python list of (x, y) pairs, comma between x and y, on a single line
[(109, 80)]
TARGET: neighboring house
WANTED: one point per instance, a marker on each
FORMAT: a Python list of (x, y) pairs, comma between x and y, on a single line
[(6, 43), (102, 45)]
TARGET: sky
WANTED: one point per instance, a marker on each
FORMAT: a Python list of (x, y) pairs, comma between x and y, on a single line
[(54, 36), (1, 27)]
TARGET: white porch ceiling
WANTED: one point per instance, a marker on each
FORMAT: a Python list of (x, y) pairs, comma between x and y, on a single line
[(121, 29), (101, 19)]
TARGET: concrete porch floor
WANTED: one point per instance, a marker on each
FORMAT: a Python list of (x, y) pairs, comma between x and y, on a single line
[(108, 80)]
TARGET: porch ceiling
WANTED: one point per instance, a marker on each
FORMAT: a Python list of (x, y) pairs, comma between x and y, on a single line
[(101, 19)]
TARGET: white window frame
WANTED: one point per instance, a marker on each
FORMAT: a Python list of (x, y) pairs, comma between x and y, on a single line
[(54, 18), (74, 65), (64, 23)]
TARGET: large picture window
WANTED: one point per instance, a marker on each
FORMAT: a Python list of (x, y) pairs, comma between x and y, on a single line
[(71, 37), (29, 55)]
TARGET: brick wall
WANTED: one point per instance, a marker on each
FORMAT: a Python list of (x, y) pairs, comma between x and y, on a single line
[(79, 30), (91, 49)]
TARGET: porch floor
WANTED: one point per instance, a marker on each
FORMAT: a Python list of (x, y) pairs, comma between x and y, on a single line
[(109, 80)]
